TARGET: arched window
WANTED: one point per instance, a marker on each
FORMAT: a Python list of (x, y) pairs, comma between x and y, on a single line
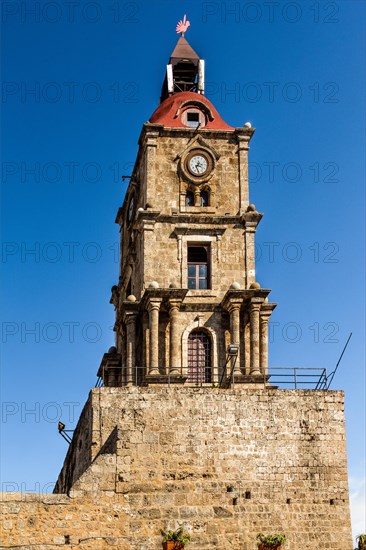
[(189, 198), (199, 357), (204, 198)]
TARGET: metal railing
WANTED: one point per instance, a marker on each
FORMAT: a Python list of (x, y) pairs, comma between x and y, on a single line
[(283, 377), (299, 377)]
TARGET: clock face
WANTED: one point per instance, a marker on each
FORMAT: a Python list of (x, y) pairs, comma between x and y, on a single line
[(198, 165)]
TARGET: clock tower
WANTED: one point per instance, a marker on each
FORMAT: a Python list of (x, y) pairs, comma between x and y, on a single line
[(189, 309), (184, 430), (184, 427)]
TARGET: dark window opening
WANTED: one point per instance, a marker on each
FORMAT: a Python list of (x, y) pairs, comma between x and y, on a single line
[(204, 198), (189, 198), (193, 119), (198, 267), (185, 76), (199, 357)]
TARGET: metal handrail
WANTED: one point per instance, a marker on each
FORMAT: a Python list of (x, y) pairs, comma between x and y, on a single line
[(295, 377), (300, 376)]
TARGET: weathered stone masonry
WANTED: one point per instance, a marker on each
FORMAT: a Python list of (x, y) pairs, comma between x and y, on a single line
[(226, 463)]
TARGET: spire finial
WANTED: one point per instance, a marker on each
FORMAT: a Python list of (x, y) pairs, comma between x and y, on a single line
[(182, 25)]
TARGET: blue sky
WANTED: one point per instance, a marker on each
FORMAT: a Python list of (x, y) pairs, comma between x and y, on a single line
[(77, 85)]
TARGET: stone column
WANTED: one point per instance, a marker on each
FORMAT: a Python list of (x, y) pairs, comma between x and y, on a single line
[(197, 197), (174, 352), (265, 314), (254, 338), (122, 347), (131, 347), (264, 342), (247, 343), (145, 345), (234, 310), (153, 308)]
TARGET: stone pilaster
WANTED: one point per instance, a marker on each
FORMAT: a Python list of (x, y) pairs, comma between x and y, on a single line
[(150, 162), (249, 254), (250, 219), (243, 148)]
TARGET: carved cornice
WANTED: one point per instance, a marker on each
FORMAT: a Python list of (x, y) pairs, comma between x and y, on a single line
[(164, 295), (162, 130), (109, 360), (210, 232), (251, 219), (244, 296), (188, 218)]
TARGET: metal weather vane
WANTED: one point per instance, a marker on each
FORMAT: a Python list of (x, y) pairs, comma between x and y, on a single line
[(182, 25)]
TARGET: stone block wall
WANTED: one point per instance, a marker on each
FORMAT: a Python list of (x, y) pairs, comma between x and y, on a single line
[(165, 255), (151, 245), (44, 522), (225, 463)]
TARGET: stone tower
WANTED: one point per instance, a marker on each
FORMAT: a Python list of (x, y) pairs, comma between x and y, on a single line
[(187, 291), (185, 427)]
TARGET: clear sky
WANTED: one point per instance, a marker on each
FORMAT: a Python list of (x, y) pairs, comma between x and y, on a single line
[(78, 81)]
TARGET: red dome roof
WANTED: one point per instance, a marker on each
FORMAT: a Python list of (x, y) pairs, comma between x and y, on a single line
[(168, 113)]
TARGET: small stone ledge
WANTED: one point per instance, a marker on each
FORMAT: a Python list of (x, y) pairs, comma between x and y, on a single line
[(330, 395)]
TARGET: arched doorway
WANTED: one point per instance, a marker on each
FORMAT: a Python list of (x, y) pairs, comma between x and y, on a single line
[(199, 357)]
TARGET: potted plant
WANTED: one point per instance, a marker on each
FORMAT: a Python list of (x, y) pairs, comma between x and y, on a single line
[(270, 542), (175, 540), (361, 542)]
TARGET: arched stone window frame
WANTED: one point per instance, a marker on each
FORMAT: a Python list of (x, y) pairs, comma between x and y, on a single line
[(197, 325), (195, 104), (194, 110)]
